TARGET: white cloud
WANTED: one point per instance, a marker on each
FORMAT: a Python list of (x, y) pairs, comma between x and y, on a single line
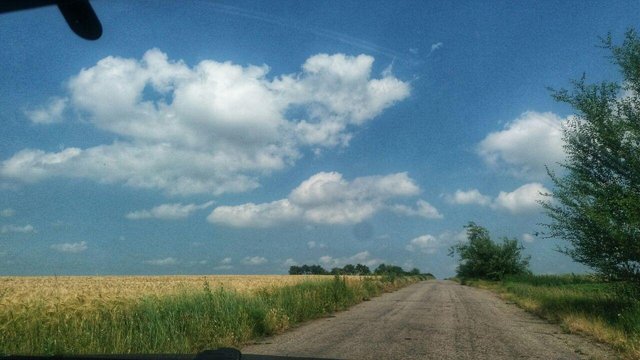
[(426, 244), (429, 244), (423, 209), (313, 245), (49, 114), (255, 215), (162, 262), (528, 238), (26, 229), (224, 264), (168, 211), (289, 262), (526, 145), (8, 212), (451, 237), (472, 196), (326, 198), (254, 260), (216, 127), (521, 200), (363, 257), (70, 247)]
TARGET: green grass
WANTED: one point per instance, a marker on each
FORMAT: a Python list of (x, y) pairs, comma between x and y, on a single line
[(186, 323), (609, 312)]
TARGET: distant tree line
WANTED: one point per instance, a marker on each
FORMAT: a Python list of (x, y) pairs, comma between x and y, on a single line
[(349, 269)]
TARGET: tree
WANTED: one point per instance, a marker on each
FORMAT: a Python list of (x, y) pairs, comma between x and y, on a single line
[(595, 204), (349, 269), (295, 270), (362, 270), (317, 270), (307, 270), (384, 269), (480, 257)]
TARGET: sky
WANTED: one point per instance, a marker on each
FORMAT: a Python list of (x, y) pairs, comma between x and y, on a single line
[(242, 137)]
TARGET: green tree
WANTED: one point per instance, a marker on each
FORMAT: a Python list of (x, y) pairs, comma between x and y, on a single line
[(362, 269), (295, 270), (480, 257), (384, 269), (349, 269), (595, 203)]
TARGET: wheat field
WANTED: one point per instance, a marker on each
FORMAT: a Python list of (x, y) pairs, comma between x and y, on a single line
[(26, 289), (166, 314)]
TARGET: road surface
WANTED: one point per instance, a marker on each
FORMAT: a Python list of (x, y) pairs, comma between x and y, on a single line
[(431, 320)]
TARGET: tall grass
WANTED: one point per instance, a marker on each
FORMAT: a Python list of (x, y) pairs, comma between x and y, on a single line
[(187, 322), (609, 312)]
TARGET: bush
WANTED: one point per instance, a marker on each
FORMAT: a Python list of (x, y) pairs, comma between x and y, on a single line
[(481, 258)]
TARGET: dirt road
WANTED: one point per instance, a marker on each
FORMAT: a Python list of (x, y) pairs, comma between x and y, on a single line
[(432, 320)]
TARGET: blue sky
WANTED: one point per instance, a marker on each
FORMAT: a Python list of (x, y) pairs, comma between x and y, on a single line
[(240, 137)]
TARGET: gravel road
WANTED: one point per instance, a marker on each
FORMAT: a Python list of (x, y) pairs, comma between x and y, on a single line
[(431, 320)]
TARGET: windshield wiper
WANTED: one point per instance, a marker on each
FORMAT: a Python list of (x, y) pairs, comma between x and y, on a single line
[(78, 14)]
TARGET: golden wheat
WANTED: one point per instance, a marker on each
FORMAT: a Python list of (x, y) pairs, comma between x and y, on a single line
[(88, 291)]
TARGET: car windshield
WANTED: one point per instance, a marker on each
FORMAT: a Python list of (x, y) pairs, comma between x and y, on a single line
[(258, 137)]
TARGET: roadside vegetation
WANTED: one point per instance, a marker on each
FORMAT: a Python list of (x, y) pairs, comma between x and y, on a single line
[(481, 257), (607, 311), (184, 322), (595, 203), (594, 207)]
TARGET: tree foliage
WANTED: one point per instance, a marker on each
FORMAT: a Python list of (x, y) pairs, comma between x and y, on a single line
[(307, 270), (349, 269), (595, 204), (480, 257)]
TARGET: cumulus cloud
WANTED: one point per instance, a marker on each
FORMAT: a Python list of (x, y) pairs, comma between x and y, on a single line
[(521, 200), (215, 127), (167, 211), (466, 197), (327, 198), (197, 262), (363, 257), (162, 262), (422, 209), (224, 264), (289, 262), (26, 229), (50, 113), (313, 245), (8, 212), (70, 247), (255, 215), (426, 244), (526, 145), (429, 244), (254, 260)]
